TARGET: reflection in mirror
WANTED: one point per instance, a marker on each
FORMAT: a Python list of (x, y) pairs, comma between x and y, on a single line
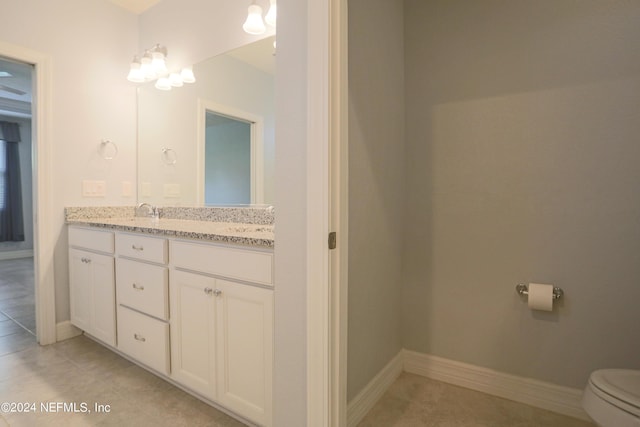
[(233, 95), (233, 154)]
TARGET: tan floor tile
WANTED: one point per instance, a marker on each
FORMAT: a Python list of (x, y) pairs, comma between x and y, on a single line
[(82, 371), (392, 411), (417, 401)]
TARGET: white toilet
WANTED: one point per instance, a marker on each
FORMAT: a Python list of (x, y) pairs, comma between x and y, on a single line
[(612, 397)]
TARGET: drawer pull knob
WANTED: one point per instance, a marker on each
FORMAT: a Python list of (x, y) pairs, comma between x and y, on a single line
[(139, 338), (86, 260), (137, 248), (216, 292), (137, 287)]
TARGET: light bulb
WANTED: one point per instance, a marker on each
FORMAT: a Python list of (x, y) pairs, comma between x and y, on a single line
[(135, 73), (254, 23), (146, 67), (175, 80), (270, 18), (163, 83), (187, 75), (158, 63)]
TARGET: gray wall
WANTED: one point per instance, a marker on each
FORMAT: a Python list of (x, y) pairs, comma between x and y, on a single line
[(522, 164), (376, 183)]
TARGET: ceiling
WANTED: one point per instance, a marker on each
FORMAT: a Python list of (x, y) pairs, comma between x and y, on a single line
[(15, 88), (135, 6)]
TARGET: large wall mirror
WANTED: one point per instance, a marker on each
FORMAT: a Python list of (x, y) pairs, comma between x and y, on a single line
[(211, 143)]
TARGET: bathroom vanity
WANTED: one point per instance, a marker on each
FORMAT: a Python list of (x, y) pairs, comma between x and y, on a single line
[(191, 301)]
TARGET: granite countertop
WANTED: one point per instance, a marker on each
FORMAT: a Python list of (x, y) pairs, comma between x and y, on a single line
[(261, 235)]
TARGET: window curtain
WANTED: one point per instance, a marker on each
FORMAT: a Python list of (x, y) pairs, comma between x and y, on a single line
[(11, 219)]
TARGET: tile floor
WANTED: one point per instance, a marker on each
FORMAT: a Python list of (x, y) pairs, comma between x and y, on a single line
[(17, 298), (417, 401), (79, 370)]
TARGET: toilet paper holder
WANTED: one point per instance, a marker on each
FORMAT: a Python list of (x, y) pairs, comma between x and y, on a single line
[(523, 289)]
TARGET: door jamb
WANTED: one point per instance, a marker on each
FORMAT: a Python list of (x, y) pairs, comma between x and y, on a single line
[(327, 207)]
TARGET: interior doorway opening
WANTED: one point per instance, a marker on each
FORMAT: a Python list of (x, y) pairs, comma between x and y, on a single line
[(17, 271)]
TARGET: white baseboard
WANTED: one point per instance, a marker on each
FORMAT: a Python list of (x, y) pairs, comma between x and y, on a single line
[(65, 330), (26, 253), (360, 405), (552, 397)]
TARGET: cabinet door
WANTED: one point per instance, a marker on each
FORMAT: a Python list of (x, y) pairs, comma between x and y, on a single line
[(192, 314), (80, 289), (92, 288), (245, 349), (103, 298)]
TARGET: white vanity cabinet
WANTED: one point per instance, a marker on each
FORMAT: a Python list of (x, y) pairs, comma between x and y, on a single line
[(92, 282), (142, 298), (221, 329), (197, 313)]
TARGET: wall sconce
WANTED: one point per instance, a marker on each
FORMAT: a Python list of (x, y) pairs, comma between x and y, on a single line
[(254, 23), (152, 65)]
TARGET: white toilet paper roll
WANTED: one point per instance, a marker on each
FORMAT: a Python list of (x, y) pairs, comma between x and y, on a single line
[(540, 296)]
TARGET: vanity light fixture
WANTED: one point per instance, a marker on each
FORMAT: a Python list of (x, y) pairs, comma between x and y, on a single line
[(254, 23), (163, 83), (270, 17), (152, 65), (187, 75)]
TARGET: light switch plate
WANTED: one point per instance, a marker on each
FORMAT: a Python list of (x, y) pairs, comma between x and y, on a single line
[(94, 188)]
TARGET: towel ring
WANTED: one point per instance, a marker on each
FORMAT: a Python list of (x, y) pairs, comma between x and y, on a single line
[(169, 156), (107, 149)]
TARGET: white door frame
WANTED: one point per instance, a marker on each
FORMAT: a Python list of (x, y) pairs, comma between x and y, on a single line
[(327, 186), (43, 236), (339, 209)]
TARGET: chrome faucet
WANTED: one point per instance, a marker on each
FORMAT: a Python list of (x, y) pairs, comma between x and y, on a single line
[(152, 211)]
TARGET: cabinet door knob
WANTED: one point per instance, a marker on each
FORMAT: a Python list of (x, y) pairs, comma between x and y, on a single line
[(86, 260), (137, 287), (214, 292), (137, 248), (139, 338)]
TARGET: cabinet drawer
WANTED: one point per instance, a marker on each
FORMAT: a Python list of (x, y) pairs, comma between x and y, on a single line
[(144, 338), (252, 266), (96, 240), (142, 247), (143, 287)]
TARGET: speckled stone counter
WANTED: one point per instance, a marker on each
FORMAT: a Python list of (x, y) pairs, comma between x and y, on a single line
[(236, 229)]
